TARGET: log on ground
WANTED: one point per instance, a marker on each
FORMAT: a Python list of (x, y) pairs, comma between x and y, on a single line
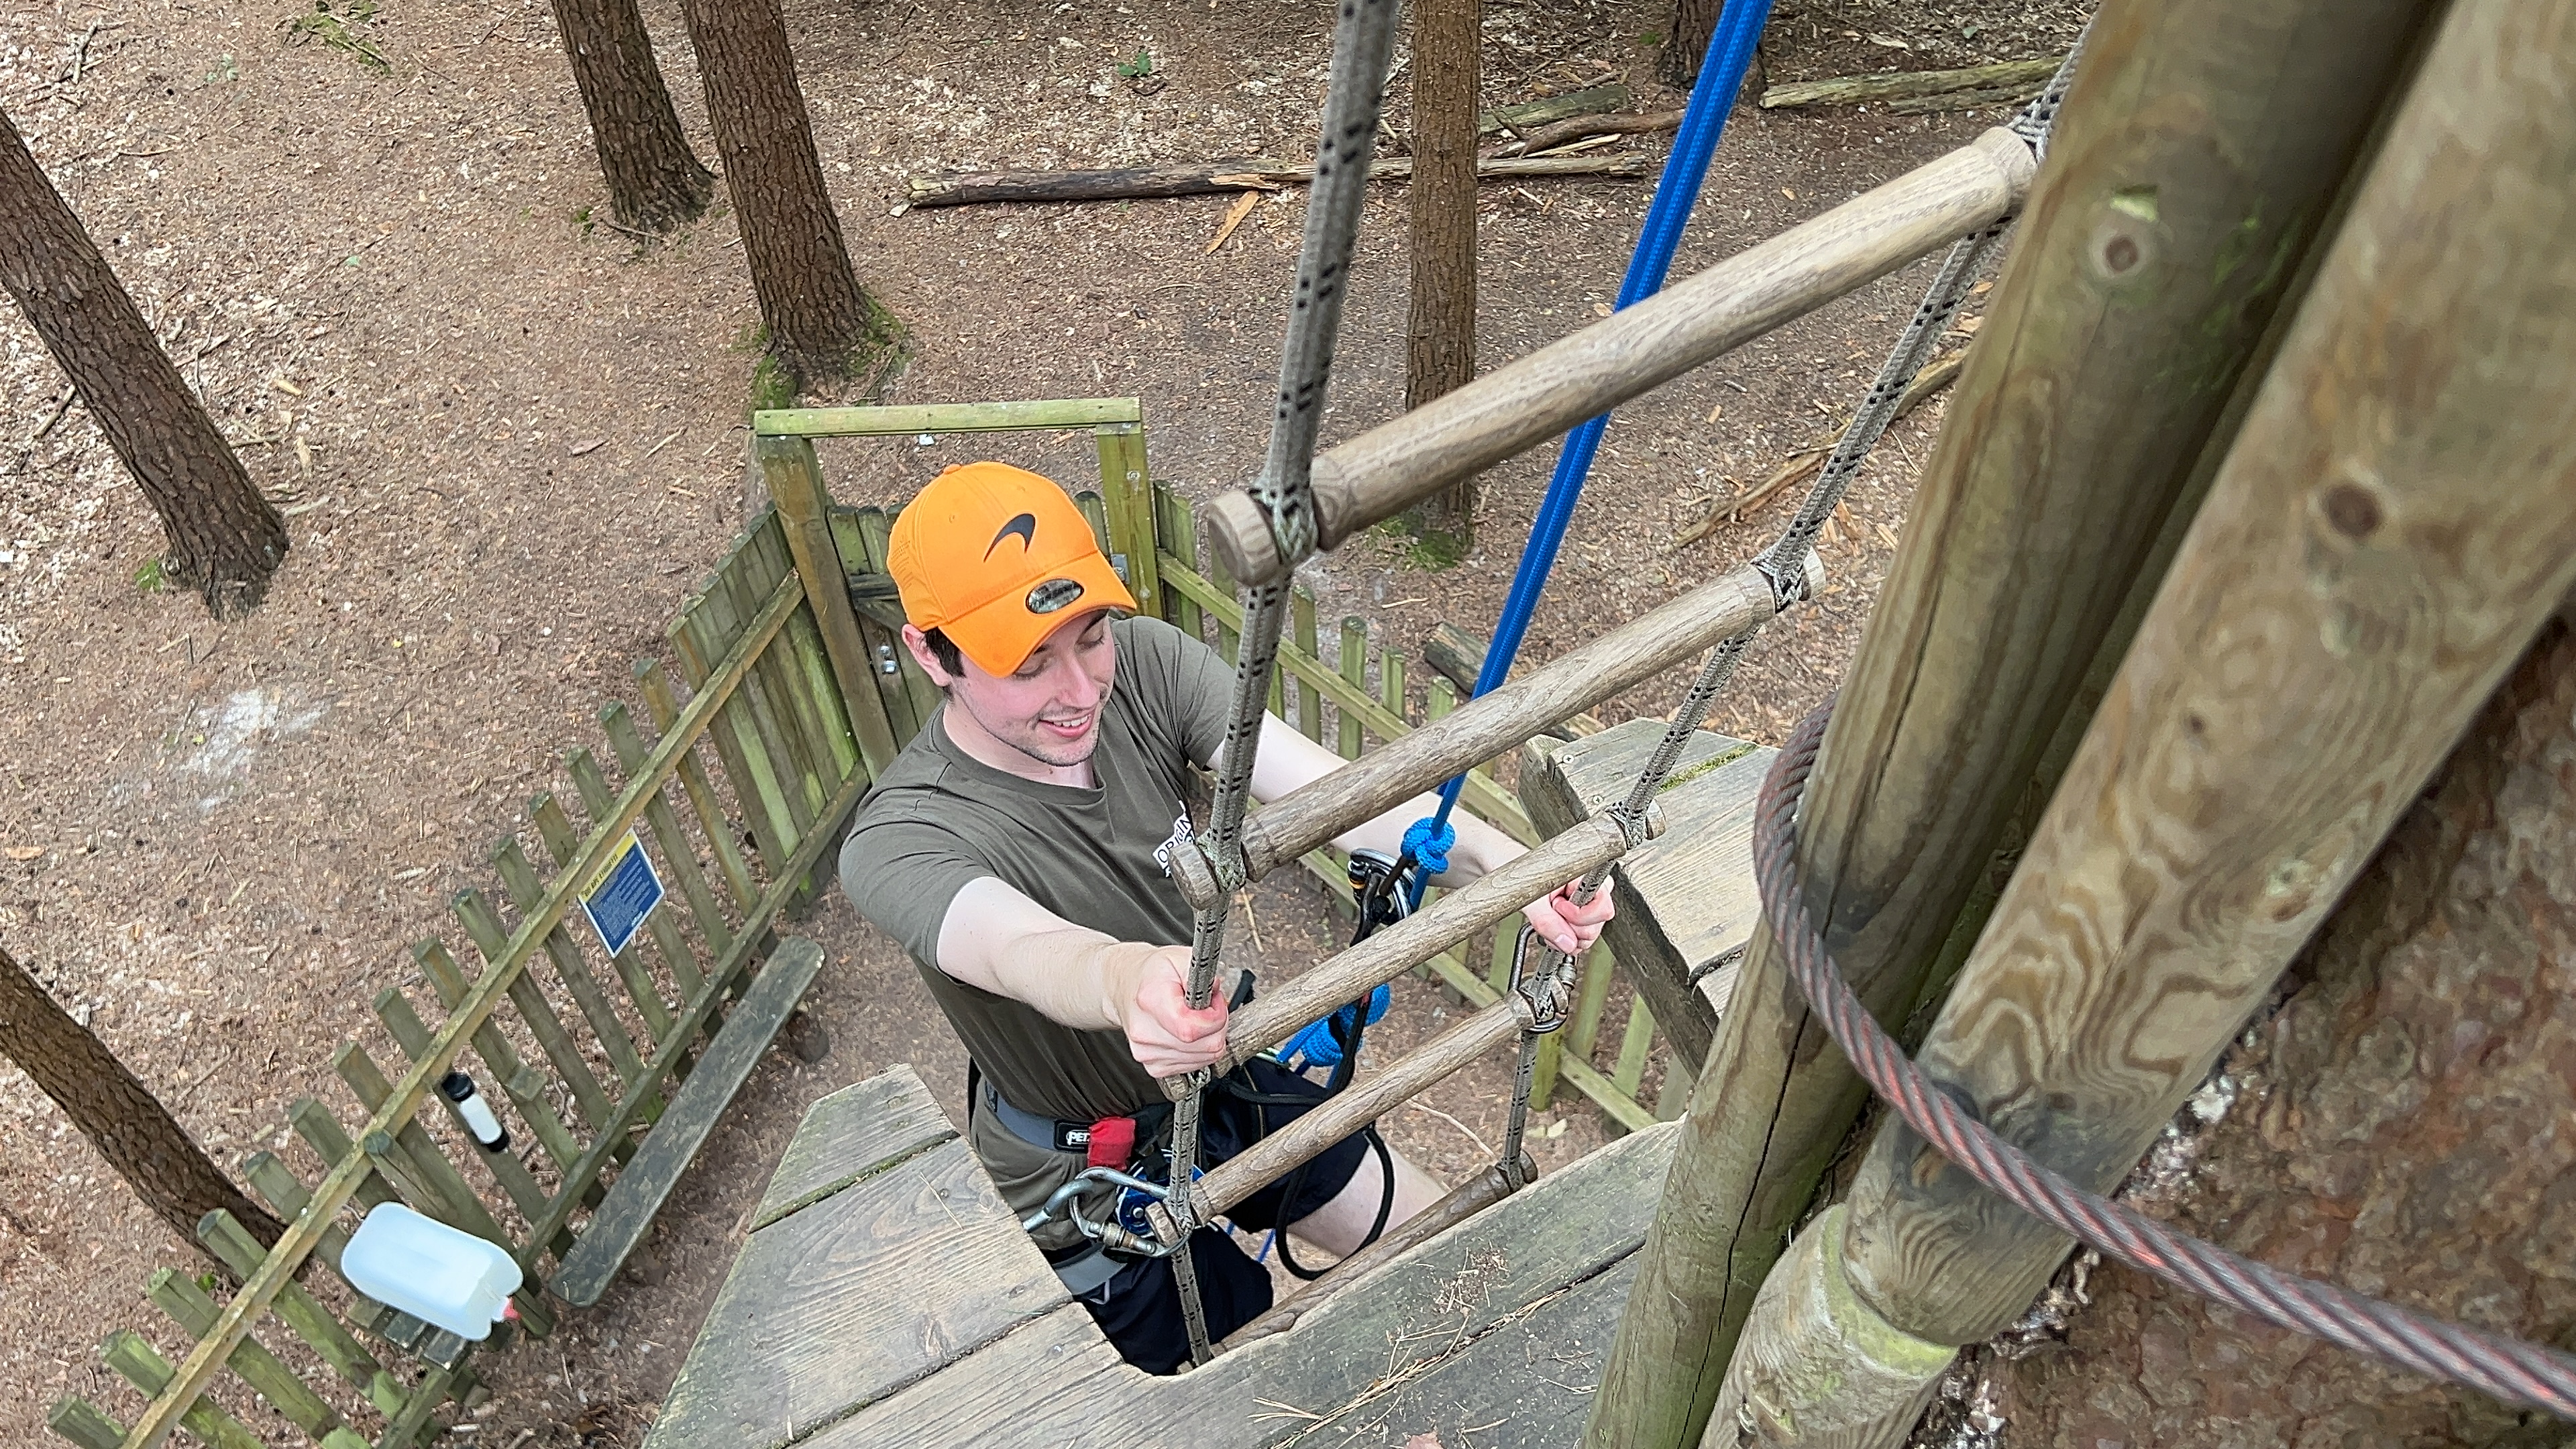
[(1206, 178)]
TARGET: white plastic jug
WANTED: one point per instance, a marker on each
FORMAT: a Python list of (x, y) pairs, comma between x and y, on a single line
[(431, 1271)]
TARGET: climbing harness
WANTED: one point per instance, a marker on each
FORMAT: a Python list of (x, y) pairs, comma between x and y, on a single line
[(2509, 1369)]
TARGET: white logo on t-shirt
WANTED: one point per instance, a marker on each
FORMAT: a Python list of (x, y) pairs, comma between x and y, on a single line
[(1180, 836)]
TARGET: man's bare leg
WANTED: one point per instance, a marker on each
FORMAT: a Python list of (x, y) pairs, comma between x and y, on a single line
[(1339, 1226)]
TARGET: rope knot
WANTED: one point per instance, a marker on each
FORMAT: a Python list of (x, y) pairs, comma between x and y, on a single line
[(1319, 1043), (1428, 842)]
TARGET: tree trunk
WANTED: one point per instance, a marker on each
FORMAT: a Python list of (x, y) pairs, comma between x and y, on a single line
[(821, 322), (654, 180), (1440, 333), (1694, 25), (2398, 1126), (117, 1113), (225, 539)]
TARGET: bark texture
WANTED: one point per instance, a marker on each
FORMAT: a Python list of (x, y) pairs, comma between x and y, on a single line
[(654, 180), (821, 322), (1440, 332), (2406, 1132), (117, 1113), (1694, 23), (225, 538)]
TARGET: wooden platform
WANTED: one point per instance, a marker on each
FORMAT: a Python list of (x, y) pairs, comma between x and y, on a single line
[(885, 1298), (1686, 900)]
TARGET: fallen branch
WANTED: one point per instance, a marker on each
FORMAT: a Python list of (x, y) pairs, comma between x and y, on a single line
[(1205, 178), (1592, 100), (1541, 138), (2019, 78), (1966, 100), (1808, 461)]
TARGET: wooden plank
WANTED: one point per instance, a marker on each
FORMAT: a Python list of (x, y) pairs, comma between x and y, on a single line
[(275, 1272), (144, 1367), (646, 1183), (756, 791), (877, 528), (1181, 545), (1686, 899), (851, 1135), (84, 1423), (1354, 673), (556, 833), (677, 858), (840, 1305), (795, 480), (1095, 511), (817, 725), (189, 1307), (1460, 434), (1525, 1383), (527, 891), (320, 1128), (1303, 635), (498, 1055), (713, 827), (1398, 1321), (986, 417), (761, 708), (312, 1322), (1128, 486)]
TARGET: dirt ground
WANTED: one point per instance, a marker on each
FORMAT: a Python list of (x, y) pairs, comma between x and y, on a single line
[(509, 441)]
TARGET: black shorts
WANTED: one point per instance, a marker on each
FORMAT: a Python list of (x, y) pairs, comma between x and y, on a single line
[(1140, 1309)]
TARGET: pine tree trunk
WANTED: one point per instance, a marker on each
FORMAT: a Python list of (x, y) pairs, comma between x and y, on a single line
[(117, 1113), (821, 322), (1440, 334), (654, 181), (1694, 25), (225, 539), (2400, 1127)]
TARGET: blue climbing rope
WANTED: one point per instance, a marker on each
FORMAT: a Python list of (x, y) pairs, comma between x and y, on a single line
[(1721, 75)]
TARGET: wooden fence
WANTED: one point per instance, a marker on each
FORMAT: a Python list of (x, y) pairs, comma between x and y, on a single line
[(791, 673)]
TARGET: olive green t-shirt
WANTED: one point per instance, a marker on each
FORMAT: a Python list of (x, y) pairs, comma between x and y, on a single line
[(939, 819)]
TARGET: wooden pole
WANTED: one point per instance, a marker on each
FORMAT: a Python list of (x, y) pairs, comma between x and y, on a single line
[(2179, 195), (1389, 468), (1440, 310), (795, 481), (1401, 768), (2396, 520)]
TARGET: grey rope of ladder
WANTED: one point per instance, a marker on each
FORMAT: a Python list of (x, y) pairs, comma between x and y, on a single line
[(1363, 40)]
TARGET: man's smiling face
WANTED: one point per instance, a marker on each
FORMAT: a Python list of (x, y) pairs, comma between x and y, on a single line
[(1049, 708)]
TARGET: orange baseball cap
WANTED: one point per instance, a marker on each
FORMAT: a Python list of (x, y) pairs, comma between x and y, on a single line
[(997, 558)]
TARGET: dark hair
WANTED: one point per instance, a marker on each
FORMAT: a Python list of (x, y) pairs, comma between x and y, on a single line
[(945, 651)]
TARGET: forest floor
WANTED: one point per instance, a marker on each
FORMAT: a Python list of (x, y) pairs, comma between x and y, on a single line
[(510, 440)]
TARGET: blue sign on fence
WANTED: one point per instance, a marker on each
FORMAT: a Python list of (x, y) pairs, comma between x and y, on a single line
[(622, 897)]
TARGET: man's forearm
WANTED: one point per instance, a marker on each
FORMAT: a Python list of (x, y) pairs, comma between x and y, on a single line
[(1081, 978)]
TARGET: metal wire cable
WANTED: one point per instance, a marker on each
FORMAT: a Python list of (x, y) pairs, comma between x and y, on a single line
[(2509, 1369)]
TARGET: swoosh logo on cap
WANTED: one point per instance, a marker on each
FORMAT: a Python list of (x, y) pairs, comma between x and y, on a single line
[(1026, 526)]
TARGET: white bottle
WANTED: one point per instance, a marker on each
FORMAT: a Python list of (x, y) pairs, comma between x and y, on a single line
[(431, 1271)]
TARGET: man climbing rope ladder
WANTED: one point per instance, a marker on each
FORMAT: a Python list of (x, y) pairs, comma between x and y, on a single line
[(1017, 847)]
